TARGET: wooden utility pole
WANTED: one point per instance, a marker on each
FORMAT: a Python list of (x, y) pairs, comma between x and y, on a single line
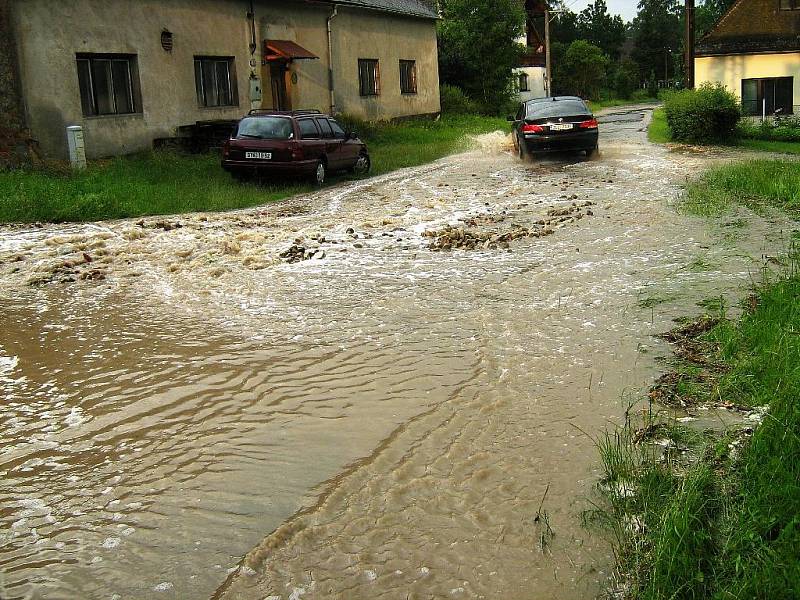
[(548, 76), (690, 44)]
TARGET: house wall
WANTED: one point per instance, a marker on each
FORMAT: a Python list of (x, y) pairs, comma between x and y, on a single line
[(49, 34), (16, 148), (536, 83), (730, 70)]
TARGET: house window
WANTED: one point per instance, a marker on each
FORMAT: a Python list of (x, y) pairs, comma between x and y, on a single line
[(523, 82), (768, 95), (215, 80), (790, 4), (408, 76), (109, 84), (369, 77)]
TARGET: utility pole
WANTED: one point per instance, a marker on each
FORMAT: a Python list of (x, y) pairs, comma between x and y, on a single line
[(690, 44), (548, 77)]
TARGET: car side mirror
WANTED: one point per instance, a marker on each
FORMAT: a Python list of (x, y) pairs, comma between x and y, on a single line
[(510, 118)]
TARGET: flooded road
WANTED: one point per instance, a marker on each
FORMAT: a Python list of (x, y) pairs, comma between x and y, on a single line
[(381, 420)]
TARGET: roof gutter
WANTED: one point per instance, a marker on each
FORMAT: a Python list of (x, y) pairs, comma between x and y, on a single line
[(332, 16)]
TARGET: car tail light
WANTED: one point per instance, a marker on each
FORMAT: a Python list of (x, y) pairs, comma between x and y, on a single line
[(590, 124), (532, 129), (297, 151), (226, 149)]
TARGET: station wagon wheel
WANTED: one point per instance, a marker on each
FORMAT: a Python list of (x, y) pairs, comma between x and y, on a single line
[(320, 173), (362, 165)]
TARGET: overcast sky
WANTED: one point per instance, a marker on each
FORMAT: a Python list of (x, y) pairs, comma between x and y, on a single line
[(625, 8)]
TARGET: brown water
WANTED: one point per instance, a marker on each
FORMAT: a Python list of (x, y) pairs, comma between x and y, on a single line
[(390, 417)]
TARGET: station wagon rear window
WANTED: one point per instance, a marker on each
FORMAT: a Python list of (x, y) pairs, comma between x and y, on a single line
[(265, 128), (559, 108)]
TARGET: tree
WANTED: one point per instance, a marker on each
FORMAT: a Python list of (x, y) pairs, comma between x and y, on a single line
[(564, 26), (658, 37), (584, 69), (708, 14), (478, 49), (598, 27)]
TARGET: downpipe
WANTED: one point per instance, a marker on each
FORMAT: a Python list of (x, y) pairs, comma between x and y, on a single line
[(332, 16)]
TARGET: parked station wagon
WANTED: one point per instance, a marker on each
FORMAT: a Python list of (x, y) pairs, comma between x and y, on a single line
[(302, 143)]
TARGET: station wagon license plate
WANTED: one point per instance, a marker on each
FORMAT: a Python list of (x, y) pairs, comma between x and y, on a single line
[(561, 126), (262, 155)]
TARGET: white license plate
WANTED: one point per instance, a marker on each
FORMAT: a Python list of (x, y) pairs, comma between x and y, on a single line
[(560, 126), (262, 155)]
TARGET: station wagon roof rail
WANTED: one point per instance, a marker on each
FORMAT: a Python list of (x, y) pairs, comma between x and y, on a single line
[(289, 113)]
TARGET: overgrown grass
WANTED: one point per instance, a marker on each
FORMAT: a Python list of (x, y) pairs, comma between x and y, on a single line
[(658, 132), (753, 183), (717, 515), (158, 183)]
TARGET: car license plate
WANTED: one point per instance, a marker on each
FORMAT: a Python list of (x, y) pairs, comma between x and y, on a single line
[(560, 126), (262, 155)]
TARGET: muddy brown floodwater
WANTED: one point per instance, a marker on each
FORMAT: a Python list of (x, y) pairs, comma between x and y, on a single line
[(186, 413)]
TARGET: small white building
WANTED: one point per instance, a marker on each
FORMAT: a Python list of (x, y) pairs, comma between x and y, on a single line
[(530, 75)]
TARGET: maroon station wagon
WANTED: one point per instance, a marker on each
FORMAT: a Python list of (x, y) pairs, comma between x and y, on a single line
[(302, 143)]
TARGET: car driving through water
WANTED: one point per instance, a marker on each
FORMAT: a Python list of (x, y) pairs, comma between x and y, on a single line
[(302, 143), (554, 124)]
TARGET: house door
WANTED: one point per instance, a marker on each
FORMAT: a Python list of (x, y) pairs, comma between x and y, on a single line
[(280, 97)]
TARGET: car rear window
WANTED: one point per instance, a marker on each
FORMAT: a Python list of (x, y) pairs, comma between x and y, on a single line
[(557, 108), (325, 127), (265, 128), (338, 132)]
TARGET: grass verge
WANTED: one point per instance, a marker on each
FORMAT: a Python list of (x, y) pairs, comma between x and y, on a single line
[(702, 514), (658, 132), (157, 183), (754, 183)]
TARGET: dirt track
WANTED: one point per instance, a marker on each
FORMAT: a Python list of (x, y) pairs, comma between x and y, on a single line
[(387, 402)]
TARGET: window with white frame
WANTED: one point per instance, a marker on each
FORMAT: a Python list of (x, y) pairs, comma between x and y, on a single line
[(524, 86)]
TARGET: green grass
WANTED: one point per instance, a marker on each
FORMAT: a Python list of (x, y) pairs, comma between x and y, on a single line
[(769, 146), (658, 132), (753, 183), (717, 515), (157, 183)]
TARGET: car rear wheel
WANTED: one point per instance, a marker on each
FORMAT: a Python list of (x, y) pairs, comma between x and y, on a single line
[(590, 152), (363, 164), (521, 151), (320, 173)]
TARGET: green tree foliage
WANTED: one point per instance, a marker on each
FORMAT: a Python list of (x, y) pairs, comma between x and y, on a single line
[(658, 37), (584, 69), (708, 13), (626, 79), (598, 27), (478, 48)]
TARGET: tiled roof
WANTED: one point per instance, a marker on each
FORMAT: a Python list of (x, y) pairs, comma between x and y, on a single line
[(753, 27), (414, 8)]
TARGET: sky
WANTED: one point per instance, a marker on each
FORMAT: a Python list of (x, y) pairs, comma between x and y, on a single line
[(625, 8)]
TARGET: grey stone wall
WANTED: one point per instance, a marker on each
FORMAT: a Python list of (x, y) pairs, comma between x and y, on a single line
[(16, 146)]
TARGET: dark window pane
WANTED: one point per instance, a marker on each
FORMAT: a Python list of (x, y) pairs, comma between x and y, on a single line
[(560, 108), (265, 128), (408, 77), (325, 127), (198, 82), (85, 84), (750, 97), (210, 83), (123, 94), (338, 132), (307, 129), (223, 83), (104, 96), (368, 77), (784, 95)]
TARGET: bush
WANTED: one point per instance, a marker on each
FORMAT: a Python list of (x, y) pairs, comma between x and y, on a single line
[(626, 79), (455, 101), (584, 67), (705, 115), (642, 95), (787, 131)]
